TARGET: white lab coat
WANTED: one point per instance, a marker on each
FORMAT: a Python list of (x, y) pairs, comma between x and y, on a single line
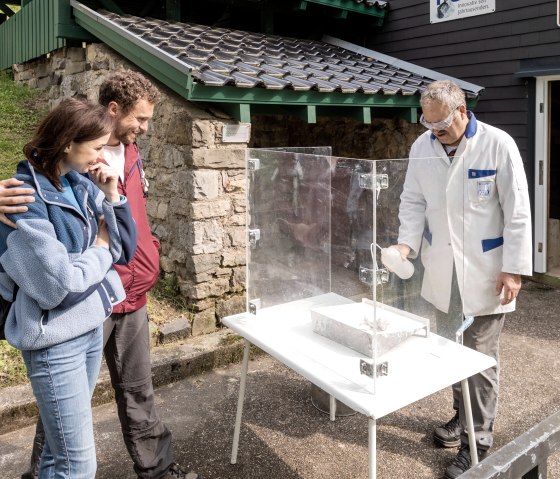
[(461, 211)]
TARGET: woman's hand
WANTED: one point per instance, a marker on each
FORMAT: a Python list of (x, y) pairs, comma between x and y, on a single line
[(107, 180), (102, 235)]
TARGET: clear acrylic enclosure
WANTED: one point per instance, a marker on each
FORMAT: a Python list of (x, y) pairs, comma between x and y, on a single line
[(320, 259)]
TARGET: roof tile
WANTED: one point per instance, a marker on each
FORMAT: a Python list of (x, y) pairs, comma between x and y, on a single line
[(219, 57)]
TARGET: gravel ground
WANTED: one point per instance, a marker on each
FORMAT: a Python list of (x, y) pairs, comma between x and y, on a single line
[(284, 436)]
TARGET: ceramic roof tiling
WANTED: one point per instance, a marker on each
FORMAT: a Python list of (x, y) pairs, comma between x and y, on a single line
[(219, 57)]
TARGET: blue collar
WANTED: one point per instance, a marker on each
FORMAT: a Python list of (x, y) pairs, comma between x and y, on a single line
[(46, 190), (472, 126)]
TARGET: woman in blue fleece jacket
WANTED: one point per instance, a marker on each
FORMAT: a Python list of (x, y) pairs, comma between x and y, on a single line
[(58, 264)]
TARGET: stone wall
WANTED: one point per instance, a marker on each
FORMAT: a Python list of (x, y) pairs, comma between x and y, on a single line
[(382, 139), (196, 204)]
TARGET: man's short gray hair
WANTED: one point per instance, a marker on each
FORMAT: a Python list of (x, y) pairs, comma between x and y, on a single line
[(444, 92)]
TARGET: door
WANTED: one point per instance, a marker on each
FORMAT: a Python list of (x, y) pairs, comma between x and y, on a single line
[(547, 176)]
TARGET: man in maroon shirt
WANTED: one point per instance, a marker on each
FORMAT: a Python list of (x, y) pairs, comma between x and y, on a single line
[(130, 99)]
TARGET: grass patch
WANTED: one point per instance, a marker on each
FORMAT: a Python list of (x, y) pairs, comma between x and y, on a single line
[(12, 368), (165, 302), (21, 108), (230, 339), (20, 111)]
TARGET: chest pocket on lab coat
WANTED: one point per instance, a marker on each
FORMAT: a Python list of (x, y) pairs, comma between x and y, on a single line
[(481, 185)]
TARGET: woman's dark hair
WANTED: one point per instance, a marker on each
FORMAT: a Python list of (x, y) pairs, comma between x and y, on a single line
[(71, 121)]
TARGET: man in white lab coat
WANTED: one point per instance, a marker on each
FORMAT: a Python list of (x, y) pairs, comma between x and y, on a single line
[(465, 206)]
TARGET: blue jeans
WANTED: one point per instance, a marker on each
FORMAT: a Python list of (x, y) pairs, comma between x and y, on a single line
[(63, 378)]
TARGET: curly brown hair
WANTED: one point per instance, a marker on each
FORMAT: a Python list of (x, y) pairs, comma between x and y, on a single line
[(71, 121), (126, 88)]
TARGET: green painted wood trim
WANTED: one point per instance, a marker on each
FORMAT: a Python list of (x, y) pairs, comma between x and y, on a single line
[(229, 94), (74, 32), (307, 113), (352, 6), (41, 18), (410, 115), (65, 26), (366, 115), (311, 114), (173, 77), (111, 6), (238, 111)]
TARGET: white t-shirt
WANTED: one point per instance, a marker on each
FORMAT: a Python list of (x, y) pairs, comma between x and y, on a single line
[(114, 156)]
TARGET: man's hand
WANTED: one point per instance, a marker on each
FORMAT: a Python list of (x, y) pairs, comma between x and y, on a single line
[(403, 249), (12, 200), (510, 284)]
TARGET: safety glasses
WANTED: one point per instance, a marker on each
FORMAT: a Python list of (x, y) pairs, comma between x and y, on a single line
[(439, 125)]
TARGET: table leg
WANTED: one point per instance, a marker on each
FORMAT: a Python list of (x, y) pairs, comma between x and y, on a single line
[(470, 424), (240, 399), (372, 453), (332, 407)]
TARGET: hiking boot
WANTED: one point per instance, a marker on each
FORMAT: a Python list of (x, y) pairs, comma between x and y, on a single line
[(175, 472), (449, 435), (462, 461)]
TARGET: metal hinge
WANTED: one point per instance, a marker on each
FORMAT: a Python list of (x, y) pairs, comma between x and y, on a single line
[(366, 275), (365, 181), (254, 236), (381, 369), (254, 164), (254, 305)]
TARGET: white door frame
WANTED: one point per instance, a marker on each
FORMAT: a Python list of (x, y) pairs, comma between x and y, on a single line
[(542, 142)]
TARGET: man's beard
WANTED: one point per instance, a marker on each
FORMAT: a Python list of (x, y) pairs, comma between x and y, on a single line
[(126, 136)]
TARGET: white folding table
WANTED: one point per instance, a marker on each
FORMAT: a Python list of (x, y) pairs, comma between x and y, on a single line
[(418, 367)]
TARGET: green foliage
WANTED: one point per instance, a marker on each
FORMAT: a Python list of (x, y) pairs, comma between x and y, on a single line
[(167, 290), (165, 302), (19, 115), (12, 367)]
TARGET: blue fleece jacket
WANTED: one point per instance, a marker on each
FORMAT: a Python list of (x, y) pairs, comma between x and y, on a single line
[(67, 285)]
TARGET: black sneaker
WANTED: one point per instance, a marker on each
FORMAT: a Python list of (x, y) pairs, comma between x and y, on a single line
[(449, 435), (462, 462), (175, 472)]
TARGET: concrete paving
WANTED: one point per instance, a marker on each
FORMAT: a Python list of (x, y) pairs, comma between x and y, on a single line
[(284, 436)]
